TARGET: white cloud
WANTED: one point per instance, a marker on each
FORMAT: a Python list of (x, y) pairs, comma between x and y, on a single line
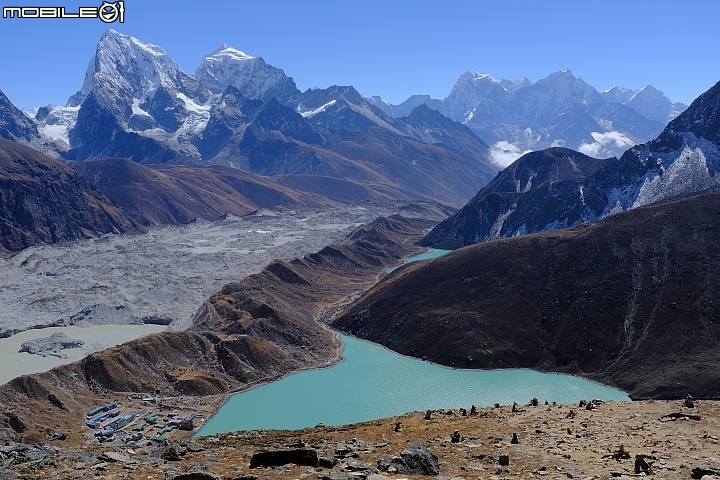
[(607, 144), (504, 153)]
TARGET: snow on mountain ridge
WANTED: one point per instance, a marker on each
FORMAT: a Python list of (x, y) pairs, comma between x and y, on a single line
[(647, 101), (514, 116), (127, 64), (227, 51), (254, 78)]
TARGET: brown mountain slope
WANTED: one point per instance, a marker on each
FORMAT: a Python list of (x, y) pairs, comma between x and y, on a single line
[(339, 189), (44, 201), (630, 301), (252, 331), (173, 194)]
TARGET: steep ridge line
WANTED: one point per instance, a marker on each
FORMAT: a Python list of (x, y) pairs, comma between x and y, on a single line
[(251, 332), (45, 201), (523, 198), (683, 161), (629, 301), (178, 194)]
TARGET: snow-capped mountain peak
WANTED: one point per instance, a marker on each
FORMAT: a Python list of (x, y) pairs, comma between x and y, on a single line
[(254, 78), (226, 51), (133, 67), (618, 94), (647, 101)]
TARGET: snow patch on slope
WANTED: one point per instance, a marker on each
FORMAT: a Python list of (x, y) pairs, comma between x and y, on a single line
[(312, 113), (682, 172), (58, 122), (196, 121)]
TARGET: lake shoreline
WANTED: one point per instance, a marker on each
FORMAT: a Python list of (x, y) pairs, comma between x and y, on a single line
[(427, 387), (95, 338)]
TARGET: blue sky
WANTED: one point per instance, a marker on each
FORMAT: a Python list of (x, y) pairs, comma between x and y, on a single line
[(390, 48)]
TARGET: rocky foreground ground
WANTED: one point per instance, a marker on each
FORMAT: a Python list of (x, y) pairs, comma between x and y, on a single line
[(663, 439)]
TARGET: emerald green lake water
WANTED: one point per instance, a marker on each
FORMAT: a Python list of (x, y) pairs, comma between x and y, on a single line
[(373, 382)]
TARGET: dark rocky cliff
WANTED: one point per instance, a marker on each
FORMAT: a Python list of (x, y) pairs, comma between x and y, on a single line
[(44, 201), (15, 125), (529, 194)]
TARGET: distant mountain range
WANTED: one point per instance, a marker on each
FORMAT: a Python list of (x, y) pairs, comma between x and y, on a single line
[(682, 161), (558, 111), (236, 110), (247, 138), (137, 103)]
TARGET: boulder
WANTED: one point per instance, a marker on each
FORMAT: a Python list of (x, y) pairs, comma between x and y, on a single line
[(114, 457), (193, 447), (172, 453), (275, 458), (327, 462), (700, 472), (197, 476), (415, 459), (641, 466), (15, 422)]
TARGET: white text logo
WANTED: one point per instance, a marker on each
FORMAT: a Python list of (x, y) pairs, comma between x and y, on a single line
[(108, 12)]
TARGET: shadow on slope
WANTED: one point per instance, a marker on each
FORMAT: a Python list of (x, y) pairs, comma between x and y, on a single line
[(629, 301)]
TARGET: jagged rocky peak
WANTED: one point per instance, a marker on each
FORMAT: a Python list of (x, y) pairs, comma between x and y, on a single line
[(254, 78), (487, 81), (482, 83), (702, 119), (557, 93), (648, 101), (565, 83), (14, 124), (618, 94), (313, 98), (513, 85), (125, 64)]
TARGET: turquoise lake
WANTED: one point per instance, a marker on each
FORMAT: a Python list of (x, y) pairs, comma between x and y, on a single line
[(434, 253), (373, 382)]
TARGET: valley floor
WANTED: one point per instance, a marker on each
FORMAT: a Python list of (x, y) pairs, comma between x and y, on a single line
[(554, 442), (165, 274)]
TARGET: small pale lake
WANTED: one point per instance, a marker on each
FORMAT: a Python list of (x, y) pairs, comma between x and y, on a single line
[(374, 382), (434, 253), (96, 338)]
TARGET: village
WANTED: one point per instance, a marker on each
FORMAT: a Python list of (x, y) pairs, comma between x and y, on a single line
[(156, 420)]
